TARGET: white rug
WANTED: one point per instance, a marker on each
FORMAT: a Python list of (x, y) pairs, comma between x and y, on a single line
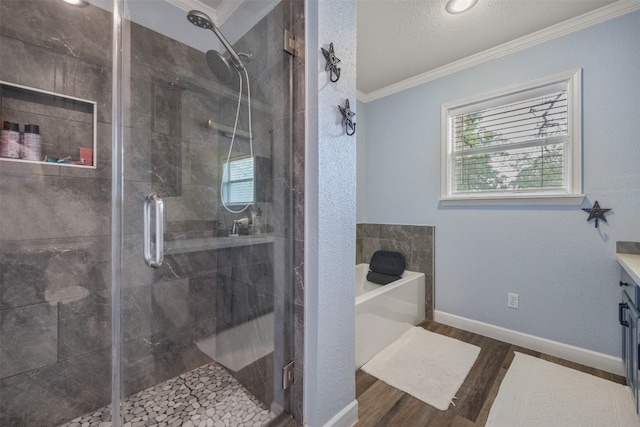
[(426, 365), (535, 392)]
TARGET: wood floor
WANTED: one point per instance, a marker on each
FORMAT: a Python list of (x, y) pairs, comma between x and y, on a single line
[(380, 404)]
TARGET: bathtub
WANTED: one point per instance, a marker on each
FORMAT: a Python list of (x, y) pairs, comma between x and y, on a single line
[(384, 312)]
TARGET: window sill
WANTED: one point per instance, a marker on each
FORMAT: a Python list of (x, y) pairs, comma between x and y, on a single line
[(515, 200)]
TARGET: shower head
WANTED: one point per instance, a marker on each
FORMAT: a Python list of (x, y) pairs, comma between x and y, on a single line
[(220, 67), (202, 20)]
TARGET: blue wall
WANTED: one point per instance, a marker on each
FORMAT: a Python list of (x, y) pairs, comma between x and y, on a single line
[(563, 268)]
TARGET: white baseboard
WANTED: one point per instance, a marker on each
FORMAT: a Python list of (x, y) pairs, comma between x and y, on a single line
[(345, 418), (583, 356)]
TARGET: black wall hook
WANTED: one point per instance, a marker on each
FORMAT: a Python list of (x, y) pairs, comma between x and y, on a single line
[(332, 63), (347, 115), (597, 213)]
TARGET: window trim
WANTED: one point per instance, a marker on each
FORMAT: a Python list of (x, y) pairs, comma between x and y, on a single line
[(571, 195)]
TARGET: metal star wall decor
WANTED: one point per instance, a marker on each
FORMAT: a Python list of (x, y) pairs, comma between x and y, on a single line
[(347, 116), (597, 213), (332, 63)]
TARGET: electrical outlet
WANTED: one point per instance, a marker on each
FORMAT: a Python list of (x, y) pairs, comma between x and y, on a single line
[(512, 301)]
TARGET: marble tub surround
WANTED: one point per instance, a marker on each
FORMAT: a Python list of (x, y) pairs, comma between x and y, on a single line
[(415, 242)]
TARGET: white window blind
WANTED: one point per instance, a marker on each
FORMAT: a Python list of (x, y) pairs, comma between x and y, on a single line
[(516, 143), (238, 181)]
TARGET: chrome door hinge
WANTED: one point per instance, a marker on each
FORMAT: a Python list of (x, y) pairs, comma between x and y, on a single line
[(289, 42), (287, 375)]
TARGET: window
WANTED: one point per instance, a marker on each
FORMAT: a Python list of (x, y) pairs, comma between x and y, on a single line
[(237, 181), (521, 144)]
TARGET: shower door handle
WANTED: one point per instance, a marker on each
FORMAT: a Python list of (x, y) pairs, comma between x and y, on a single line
[(154, 260)]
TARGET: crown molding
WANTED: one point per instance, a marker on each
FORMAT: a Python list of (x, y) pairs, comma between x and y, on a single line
[(361, 96), (226, 9), (604, 13)]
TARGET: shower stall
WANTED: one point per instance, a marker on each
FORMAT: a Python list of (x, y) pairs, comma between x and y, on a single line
[(149, 249)]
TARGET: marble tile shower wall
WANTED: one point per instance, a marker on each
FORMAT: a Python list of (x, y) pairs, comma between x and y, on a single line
[(55, 322), (415, 242), (55, 222)]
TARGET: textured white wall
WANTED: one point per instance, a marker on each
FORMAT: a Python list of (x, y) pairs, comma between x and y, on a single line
[(563, 268), (330, 212)]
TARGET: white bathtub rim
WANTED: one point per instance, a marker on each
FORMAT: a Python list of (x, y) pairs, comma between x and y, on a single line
[(406, 277)]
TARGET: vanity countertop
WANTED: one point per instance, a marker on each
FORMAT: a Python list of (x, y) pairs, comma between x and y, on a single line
[(631, 264)]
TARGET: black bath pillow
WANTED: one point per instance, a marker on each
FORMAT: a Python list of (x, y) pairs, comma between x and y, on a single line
[(381, 279), (388, 263)]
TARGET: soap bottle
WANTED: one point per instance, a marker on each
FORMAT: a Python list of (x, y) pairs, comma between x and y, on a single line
[(31, 143), (10, 140), (257, 223)]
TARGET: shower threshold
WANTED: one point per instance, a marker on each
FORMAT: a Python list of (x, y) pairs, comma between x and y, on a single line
[(207, 396)]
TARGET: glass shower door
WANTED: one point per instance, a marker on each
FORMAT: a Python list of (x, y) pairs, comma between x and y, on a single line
[(206, 317)]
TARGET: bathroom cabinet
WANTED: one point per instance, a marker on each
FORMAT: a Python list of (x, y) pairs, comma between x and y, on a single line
[(629, 318), (67, 125)]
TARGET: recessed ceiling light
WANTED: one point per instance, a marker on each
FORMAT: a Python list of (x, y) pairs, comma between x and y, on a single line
[(459, 6), (76, 2)]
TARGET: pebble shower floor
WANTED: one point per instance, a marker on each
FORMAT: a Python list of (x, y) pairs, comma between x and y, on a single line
[(207, 396)]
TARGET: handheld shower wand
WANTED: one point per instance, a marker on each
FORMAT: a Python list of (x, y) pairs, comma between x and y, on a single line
[(202, 20)]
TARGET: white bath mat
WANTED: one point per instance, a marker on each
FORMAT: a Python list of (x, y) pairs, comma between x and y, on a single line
[(535, 392), (426, 365)]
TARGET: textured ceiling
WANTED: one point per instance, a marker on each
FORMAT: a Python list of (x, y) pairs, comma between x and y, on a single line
[(399, 39)]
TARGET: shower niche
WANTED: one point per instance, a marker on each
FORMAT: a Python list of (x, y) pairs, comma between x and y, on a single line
[(66, 125)]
